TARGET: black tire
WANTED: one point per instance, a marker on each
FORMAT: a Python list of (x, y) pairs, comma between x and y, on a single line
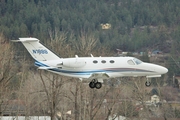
[(94, 80), (92, 85), (98, 85), (147, 84)]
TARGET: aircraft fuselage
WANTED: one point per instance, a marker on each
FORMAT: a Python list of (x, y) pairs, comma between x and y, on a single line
[(84, 67)]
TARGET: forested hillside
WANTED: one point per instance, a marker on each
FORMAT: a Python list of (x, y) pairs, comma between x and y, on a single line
[(135, 24), (82, 27)]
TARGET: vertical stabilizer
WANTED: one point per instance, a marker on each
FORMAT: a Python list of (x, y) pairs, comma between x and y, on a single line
[(38, 51)]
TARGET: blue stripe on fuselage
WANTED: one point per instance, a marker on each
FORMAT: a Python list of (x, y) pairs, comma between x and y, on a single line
[(39, 64)]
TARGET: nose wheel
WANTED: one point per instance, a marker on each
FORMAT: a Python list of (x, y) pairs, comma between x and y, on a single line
[(148, 83), (95, 84)]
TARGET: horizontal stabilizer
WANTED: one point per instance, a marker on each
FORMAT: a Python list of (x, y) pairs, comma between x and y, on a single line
[(26, 40), (46, 68)]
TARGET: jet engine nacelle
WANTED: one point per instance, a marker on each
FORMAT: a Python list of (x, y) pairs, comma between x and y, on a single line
[(74, 63)]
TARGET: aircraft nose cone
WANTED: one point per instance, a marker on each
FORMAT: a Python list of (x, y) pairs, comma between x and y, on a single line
[(160, 69), (163, 70)]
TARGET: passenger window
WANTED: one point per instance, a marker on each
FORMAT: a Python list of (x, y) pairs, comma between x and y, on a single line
[(130, 62), (103, 61), (111, 61), (95, 61)]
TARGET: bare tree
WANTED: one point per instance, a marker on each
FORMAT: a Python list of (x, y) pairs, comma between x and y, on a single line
[(41, 91), (58, 43), (52, 85), (120, 101), (6, 69), (6, 58), (95, 102), (141, 96), (30, 90), (85, 44), (111, 103)]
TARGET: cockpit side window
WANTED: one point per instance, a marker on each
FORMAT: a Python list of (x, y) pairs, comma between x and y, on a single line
[(137, 61), (130, 62)]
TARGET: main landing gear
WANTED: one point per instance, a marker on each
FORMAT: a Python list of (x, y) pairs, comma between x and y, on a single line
[(95, 84)]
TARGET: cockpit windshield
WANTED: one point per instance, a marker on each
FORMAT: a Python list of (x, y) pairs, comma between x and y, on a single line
[(137, 61)]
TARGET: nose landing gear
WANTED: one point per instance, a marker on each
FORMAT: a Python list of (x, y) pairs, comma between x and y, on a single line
[(148, 83), (95, 84)]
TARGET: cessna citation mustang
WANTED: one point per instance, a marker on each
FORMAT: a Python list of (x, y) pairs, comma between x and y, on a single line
[(91, 68)]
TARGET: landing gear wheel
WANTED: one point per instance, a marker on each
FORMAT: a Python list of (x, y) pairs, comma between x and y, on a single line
[(95, 84), (148, 83), (98, 85), (94, 80), (92, 85)]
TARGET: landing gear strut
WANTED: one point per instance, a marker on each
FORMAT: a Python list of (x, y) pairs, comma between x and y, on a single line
[(95, 84)]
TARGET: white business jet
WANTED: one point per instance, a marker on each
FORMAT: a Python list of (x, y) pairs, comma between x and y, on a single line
[(94, 69)]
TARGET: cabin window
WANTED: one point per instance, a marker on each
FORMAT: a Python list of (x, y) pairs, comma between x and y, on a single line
[(103, 61), (95, 61), (111, 61), (130, 62)]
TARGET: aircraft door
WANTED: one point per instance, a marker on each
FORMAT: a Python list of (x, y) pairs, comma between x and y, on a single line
[(132, 69)]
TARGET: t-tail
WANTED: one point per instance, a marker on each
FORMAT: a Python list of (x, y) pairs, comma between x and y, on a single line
[(38, 51)]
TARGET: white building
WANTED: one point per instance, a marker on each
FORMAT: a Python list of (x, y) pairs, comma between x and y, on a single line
[(25, 118), (155, 99)]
